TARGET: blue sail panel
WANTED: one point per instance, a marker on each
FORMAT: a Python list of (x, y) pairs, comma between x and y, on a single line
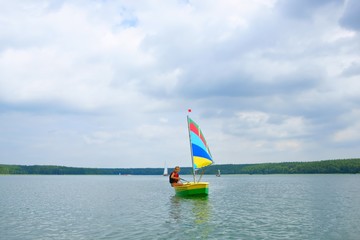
[(200, 152), (195, 139)]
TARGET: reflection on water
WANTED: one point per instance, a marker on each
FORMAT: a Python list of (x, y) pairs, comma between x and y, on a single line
[(175, 208), (198, 206), (192, 211), (201, 210)]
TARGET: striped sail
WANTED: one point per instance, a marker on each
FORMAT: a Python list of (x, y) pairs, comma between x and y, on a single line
[(200, 150)]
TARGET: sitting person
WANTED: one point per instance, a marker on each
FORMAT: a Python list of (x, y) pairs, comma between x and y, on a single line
[(174, 177)]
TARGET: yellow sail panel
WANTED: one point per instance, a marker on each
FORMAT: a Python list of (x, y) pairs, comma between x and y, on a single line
[(200, 162)]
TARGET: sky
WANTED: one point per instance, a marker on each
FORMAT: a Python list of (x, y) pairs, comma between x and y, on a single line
[(90, 83)]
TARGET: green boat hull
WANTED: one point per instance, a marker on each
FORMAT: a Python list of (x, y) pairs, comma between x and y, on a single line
[(192, 189)]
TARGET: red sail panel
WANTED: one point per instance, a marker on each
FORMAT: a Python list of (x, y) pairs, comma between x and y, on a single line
[(194, 128)]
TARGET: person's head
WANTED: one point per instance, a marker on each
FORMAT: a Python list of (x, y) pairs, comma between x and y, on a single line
[(177, 169)]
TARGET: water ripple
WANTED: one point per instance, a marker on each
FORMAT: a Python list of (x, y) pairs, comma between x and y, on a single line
[(139, 207)]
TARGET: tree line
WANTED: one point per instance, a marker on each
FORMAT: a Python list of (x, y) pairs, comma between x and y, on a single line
[(318, 167)]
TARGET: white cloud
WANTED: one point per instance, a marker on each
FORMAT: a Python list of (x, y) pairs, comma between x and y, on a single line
[(350, 133), (262, 125), (113, 80), (99, 137), (79, 66)]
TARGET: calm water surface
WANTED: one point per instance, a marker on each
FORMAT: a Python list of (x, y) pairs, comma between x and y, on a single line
[(145, 207)]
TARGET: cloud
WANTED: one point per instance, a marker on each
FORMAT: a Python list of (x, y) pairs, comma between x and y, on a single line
[(306, 8), (264, 126), (106, 83), (351, 18), (349, 132), (352, 70)]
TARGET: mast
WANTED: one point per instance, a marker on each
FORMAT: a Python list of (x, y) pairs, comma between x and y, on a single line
[(191, 150)]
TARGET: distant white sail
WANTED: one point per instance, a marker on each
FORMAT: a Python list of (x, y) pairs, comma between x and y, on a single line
[(165, 170)]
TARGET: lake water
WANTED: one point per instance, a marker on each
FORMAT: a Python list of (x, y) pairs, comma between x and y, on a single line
[(145, 207)]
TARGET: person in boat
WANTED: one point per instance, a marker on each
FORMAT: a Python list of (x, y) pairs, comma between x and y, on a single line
[(174, 177)]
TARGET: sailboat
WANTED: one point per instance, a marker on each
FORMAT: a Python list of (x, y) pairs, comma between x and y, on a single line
[(200, 158), (165, 170)]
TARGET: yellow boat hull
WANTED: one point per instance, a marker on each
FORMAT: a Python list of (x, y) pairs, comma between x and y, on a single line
[(192, 189)]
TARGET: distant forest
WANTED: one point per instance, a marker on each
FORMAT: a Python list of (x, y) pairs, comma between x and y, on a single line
[(326, 167)]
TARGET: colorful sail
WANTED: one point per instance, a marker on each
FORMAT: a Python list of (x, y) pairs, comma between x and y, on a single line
[(200, 150)]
